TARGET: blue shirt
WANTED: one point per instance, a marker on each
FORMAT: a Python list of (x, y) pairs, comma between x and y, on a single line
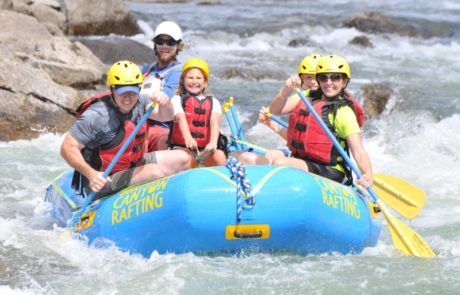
[(171, 75)]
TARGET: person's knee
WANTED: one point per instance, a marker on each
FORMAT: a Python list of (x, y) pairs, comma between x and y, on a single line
[(183, 159), (148, 171), (271, 156), (219, 158), (278, 161)]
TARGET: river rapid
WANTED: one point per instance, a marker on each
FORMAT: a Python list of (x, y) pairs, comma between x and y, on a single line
[(414, 139)]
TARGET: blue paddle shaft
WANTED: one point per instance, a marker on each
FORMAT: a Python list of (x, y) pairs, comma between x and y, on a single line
[(231, 123), (238, 126), (112, 164), (335, 142), (279, 121)]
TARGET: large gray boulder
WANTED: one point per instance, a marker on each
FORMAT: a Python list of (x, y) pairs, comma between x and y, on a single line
[(101, 17), (376, 96), (65, 62), (5, 4), (251, 73), (47, 14), (378, 23), (55, 4), (31, 102), (37, 73), (113, 48), (163, 1)]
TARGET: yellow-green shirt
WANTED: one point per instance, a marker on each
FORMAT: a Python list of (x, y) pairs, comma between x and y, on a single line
[(345, 123)]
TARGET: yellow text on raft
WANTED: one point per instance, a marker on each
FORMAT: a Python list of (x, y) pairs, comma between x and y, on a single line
[(339, 197), (139, 201)]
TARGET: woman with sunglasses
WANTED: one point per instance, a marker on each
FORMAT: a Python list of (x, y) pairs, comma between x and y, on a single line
[(163, 75), (311, 148)]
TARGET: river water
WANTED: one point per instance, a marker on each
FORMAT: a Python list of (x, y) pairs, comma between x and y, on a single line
[(414, 139)]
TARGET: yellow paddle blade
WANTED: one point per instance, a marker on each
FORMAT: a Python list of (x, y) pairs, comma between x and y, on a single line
[(401, 196), (405, 239)]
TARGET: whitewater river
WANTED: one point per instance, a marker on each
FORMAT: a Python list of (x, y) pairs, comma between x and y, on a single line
[(416, 138)]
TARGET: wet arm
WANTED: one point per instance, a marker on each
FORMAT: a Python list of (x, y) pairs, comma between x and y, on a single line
[(360, 155), (71, 152), (263, 117), (215, 127), (283, 102), (280, 130), (164, 111)]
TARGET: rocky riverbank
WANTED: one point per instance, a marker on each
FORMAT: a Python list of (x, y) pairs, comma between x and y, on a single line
[(47, 65)]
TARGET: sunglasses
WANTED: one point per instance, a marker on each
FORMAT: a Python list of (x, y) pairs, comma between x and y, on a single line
[(168, 42), (333, 77)]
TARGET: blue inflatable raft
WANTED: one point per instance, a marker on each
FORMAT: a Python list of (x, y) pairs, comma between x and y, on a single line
[(202, 211)]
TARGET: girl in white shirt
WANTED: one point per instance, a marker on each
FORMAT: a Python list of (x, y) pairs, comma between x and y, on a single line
[(196, 124)]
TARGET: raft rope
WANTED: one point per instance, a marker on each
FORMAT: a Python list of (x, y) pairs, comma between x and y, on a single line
[(243, 186)]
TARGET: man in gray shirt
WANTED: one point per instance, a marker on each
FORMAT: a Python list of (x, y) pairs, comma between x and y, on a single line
[(105, 122)]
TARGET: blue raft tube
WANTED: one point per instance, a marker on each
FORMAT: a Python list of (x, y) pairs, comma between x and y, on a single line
[(205, 211)]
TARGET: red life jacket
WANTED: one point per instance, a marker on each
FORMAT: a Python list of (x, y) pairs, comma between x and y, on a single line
[(198, 115), (101, 157), (90, 101), (307, 140)]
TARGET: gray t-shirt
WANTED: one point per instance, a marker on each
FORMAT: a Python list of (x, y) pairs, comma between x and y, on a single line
[(100, 123)]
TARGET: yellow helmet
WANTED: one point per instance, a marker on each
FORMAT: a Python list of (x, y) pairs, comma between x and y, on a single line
[(124, 72), (308, 64), (199, 64), (333, 64)]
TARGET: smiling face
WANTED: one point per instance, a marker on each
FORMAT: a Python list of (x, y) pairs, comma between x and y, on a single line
[(125, 101), (309, 81), (194, 81), (332, 83), (166, 49)]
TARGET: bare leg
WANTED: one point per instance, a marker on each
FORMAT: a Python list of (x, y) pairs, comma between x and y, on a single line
[(291, 162), (249, 158), (167, 163), (216, 159), (272, 155)]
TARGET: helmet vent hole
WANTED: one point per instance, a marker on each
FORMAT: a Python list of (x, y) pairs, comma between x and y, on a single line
[(341, 66), (118, 78)]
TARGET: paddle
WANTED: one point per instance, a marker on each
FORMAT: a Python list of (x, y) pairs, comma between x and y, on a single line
[(238, 126), (251, 147), (237, 131), (231, 122), (112, 164), (406, 240), (403, 197), (277, 120)]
